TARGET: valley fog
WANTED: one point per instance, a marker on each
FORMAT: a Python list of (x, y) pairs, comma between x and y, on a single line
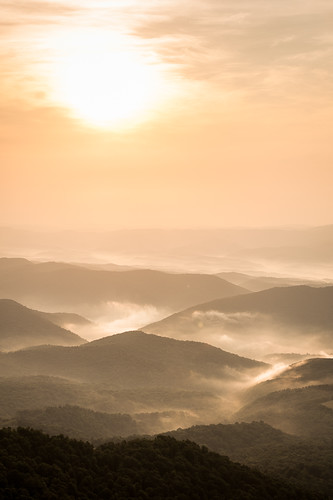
[(217, 341)]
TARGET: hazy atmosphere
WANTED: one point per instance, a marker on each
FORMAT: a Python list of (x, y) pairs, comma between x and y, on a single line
[(166, 249), (165, 114)]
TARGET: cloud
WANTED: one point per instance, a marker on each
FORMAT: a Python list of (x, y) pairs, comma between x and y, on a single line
[(262, 51), (35, 12), (117, 317), (248, 51), (229, 319)]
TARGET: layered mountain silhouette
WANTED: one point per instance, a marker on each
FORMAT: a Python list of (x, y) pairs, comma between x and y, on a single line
[(22, 327), (289, 317), (306, 412), (162, 383), (299, 400), (65, 286), (259, 283), (153, 409), (65, 320), (316, 371), (297, 245), (132, 360)]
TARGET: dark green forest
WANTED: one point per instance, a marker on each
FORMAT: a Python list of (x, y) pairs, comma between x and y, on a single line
[(304, 463), (36, 466)]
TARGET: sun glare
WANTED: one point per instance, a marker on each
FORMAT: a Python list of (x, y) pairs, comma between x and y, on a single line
[(104, 83)]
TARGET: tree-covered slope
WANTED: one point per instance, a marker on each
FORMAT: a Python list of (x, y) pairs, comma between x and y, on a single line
[(307, 464), (306, 412), (34, 466), (284, 319), (133, 360), (78, 423)]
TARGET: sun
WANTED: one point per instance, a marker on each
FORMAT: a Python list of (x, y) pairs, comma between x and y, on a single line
[(104, 83)]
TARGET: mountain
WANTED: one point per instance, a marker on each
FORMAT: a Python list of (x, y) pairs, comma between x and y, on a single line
[(154, 410), (133, 360), (298, 400), (259, 283), (57, 467), (238, 246), (304, 463), (22, 327), (52, 285), (76, 422), (306, 412), (65, 320), (256, 324), (318, 371)]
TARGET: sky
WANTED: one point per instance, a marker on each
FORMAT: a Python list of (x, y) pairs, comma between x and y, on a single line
[(170, 114)]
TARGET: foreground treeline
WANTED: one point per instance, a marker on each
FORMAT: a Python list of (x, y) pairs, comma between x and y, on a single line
[(307, 464), (35, 466)]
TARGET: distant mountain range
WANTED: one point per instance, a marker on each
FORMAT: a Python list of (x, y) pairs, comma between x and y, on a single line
[(292, 318), (22, 327), (303, 244), (259, 283), (52, 285)]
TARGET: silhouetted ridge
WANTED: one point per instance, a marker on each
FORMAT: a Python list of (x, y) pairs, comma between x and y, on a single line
[(22, 327), (132, 359), (255, 324), (305, 464), (69, 285), (58, 467)]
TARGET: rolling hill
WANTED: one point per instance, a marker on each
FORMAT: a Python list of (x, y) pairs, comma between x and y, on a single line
[(54, 286), (306, 412), (154, 410), (298, 400), (304, 463), (259, 283), (162, 383), (22, 327), (76, 422), (318, 371), (57, 467), (286, 319), (133, 360)]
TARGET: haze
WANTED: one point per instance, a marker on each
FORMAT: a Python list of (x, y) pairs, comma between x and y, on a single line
[(166, 248), (235, 129)]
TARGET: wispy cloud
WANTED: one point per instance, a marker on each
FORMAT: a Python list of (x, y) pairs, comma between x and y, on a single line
[(258, 50), (247, 46)]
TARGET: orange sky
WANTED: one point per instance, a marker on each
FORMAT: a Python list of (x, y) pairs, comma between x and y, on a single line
[(166, 114)]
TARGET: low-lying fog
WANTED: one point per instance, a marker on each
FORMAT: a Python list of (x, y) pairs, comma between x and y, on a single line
[(115, 317), (295, 253)]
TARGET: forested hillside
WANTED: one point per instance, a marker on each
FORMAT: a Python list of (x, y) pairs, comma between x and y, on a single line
[(34, 466)]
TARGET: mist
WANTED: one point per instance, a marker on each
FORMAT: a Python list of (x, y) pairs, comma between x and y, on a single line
[(252, 335), (293, 252), (116, 317)]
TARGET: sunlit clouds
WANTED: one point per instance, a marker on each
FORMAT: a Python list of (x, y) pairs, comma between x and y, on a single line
[(195, 113)]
